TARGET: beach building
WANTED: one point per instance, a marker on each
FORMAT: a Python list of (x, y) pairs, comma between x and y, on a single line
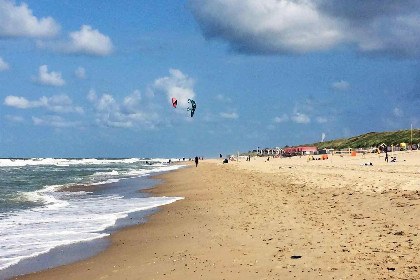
[(326, 151), (272, 152), (309, 150)]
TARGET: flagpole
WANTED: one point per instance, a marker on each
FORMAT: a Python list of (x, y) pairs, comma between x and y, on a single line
[(411, 138)]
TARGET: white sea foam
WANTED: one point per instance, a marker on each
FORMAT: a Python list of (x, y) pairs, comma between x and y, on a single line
[(48, 196), (63, 161), (33, 232), (67, 162), (104, 174), (69, 217)]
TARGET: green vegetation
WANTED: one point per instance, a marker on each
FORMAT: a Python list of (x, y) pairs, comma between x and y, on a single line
[(371, 139)]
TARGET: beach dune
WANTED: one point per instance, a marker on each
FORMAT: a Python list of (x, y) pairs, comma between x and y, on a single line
[(278, 219)]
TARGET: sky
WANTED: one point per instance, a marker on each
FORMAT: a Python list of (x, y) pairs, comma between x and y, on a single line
[(96, 78)]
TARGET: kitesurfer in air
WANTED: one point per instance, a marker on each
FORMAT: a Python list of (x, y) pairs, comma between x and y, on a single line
[(174, 102), (193, 106)]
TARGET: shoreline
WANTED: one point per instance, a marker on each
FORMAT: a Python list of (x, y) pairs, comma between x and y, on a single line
[(283, 219), (78, 251)]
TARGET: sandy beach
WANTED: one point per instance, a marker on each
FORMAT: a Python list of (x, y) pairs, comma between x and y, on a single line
[(286, 218)]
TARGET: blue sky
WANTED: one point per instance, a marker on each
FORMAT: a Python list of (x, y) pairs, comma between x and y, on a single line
[(95, 78)]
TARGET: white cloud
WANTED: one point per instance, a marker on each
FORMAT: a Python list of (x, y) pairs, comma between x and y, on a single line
[(231, 116), (177, 85), (86, 41), (80, 73), (20, 102), (130, 113), (302, 26), (323, 137), (61, 104), (18, 21), (267, 26), (3, 65), (14, 119), (56, 103), (89, 41), (283, 118), (132, 102), (107, 103), (54, 121), (48, 79), (300, 118), (341, 85)]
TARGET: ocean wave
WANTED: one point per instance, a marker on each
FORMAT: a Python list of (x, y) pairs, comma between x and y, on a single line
[(63, 162), (60, 217), (41, 229), (104, 174), (51, 195)]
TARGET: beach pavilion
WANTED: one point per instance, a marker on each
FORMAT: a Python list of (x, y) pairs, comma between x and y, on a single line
[(308, 150)]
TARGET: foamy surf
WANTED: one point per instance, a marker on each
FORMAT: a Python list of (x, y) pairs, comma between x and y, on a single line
[(33, 232), (37, 213)]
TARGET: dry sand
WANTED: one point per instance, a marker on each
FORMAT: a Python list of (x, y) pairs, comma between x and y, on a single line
[(281, 219)]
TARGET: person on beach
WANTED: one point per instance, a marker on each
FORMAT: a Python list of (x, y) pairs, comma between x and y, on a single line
[(386, 154), (196, 161)]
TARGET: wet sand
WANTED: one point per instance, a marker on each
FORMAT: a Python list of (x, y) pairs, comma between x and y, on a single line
[(281, 219)]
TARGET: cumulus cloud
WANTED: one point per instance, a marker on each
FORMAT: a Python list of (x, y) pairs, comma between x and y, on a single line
[(90, 41), (177, 85), (132, 102), (3, 65), (60, 104), (340, 85), (80, 73), (379, 25), (56, 103), (283, 118), (20, 102), (18, 21), (48, 79), (126, 114), (300, 118), (302, 26), (134, 111), (54, 121), (266, 26), (87, 41), (232, 116)]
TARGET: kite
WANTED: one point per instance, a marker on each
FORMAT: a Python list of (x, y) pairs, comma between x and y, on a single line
[(174, 102), (193, 106)]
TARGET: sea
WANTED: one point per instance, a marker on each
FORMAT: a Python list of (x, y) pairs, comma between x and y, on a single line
[(48, 203)]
